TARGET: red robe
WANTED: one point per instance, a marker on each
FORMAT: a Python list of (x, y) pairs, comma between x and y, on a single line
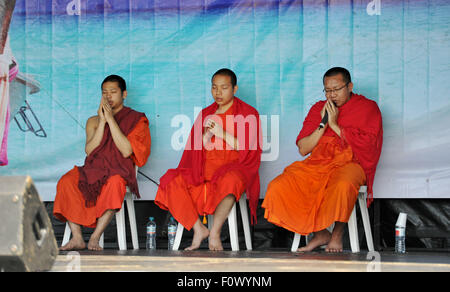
[(70, 204), (196, 170), (361, 127)]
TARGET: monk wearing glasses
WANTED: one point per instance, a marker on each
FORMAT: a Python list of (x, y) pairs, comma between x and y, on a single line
[(311, 195)]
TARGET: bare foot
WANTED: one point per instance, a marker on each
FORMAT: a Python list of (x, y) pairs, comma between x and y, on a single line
[(335, 244), (74, 244), (320, 238), (199, 235), (215, 243), (94, 244)]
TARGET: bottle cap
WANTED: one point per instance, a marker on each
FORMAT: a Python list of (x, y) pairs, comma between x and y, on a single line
[(401, 221)]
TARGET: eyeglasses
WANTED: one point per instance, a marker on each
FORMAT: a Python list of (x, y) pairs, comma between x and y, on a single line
[(330, 91)]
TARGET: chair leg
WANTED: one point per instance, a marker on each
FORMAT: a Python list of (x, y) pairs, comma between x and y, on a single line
[(331, 227), (178, 236), (353, 231), (132, 219), (101, 241), (296, 242), (121, 233), (366, 221), (67, 233), (309, 237), (232, 224), (210, 221), (245, 221)]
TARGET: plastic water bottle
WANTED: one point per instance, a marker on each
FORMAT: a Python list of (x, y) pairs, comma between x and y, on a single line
[(400, 232), (151, 234), (171, 233)]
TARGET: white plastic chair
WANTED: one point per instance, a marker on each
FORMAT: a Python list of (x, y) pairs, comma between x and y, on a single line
[(232, 224), (120, 223), (352, 225)]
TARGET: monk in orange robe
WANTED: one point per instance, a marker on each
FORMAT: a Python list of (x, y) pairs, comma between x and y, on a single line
[(217, 166), (311, 195), (117, 140)]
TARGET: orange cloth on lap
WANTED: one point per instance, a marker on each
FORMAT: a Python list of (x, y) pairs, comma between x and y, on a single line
[(312, 194)]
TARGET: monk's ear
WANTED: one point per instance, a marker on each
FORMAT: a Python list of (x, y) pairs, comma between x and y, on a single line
[(350, 87), (235, 89)]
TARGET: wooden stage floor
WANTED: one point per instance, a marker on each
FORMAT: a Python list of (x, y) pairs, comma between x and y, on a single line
[(249, 261)]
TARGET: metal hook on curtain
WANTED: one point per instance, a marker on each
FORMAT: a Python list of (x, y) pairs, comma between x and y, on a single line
[(28, 126)]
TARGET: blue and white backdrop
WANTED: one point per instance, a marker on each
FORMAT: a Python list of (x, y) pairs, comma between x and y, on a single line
[(398, 52)]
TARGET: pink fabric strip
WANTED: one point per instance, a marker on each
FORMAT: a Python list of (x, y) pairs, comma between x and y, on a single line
[(3, 148)]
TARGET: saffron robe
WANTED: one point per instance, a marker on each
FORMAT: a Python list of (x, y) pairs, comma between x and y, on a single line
[(70, 204), (312, 194), (205, 176)]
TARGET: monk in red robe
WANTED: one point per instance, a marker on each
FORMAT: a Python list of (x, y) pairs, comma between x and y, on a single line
[(220, 162), (311, 195), (117, 140)]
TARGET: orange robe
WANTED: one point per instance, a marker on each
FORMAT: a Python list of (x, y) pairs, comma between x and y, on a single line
[(312, 194), (69, 202), (186, 202)]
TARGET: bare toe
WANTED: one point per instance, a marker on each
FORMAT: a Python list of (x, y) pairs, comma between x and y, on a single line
[(334, 247), (320, 238), (198, 238), (74, 244), (215, 244), (94, 244)]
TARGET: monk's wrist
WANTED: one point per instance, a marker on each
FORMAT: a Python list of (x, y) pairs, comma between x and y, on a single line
[(101, 124), (336, 129), (221, 134), (110, 120)]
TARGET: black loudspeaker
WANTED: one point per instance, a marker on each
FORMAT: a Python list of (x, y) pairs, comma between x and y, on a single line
[(27, 240)]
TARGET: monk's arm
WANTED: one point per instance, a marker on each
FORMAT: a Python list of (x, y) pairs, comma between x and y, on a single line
[(120, 139), (219, 131), (227, 137), (336, 129), (206, 137), (230, 140), (95, 128), (306, 145)]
